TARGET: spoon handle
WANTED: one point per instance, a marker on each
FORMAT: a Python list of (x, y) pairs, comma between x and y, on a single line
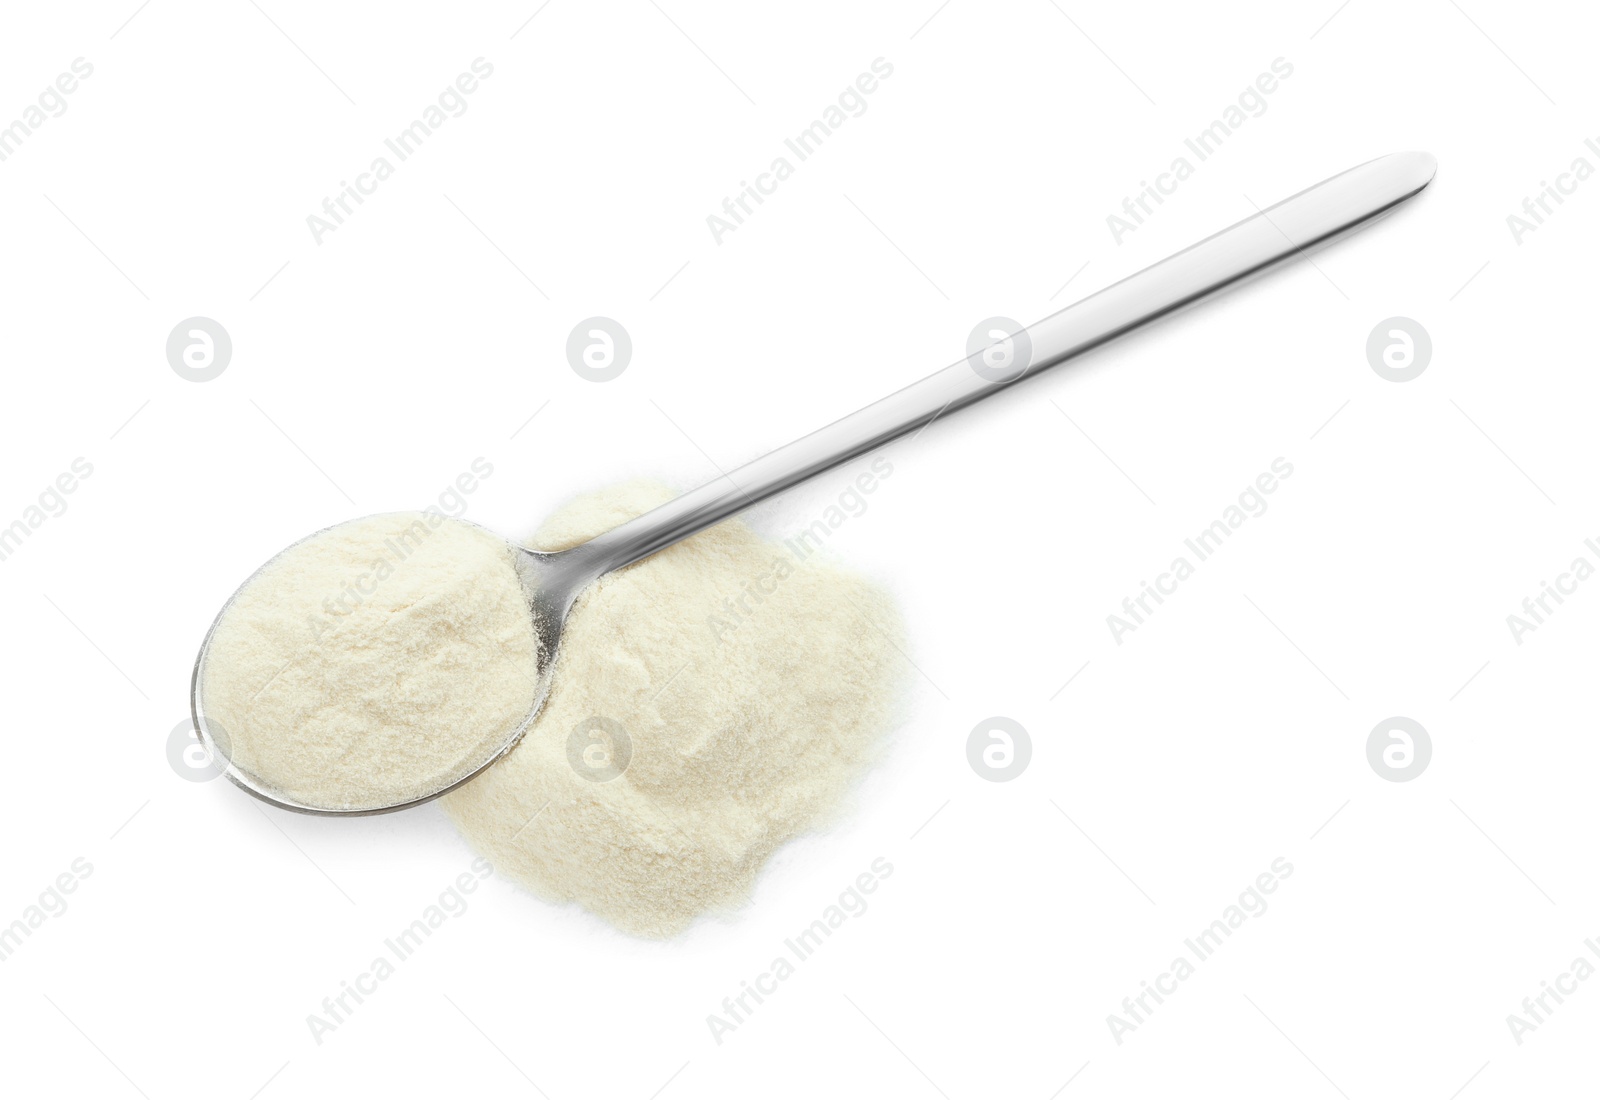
[(1278, 233)]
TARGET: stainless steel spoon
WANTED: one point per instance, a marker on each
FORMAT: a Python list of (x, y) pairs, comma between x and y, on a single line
[(1281, 232)]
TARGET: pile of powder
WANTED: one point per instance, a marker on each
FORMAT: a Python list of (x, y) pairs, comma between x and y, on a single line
[(709, 703), (374, 662)]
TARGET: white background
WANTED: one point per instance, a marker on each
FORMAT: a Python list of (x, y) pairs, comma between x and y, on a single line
[(1173, 769)]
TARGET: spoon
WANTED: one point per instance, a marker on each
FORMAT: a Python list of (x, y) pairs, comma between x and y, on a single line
[(553, 581)]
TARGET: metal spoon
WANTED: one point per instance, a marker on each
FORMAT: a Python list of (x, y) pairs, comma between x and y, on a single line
[(1281, 232)]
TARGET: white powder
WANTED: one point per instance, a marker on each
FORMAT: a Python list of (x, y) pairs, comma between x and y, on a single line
[(374, 662), (752, 689)]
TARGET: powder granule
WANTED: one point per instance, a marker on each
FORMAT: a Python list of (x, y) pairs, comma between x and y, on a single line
[(751, 691), (374, 662)]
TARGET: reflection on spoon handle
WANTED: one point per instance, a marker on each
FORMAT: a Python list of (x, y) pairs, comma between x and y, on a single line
[(1313, 217)]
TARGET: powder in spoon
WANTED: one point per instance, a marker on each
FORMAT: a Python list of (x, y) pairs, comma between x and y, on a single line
[(374, 662), (708, 704)]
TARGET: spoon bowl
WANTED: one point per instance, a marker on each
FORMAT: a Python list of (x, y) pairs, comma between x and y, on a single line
[(550, 583)]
